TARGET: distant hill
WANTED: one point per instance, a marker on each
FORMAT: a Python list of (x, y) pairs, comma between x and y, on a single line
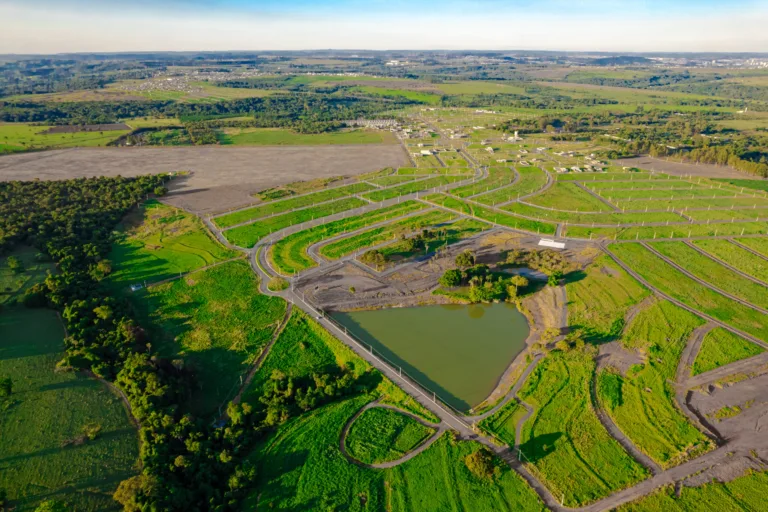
[(621, 60)]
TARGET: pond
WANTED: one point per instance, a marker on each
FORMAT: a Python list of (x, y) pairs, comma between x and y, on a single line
[(458, 351)]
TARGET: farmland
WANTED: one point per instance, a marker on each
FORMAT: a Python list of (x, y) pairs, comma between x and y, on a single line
[(46, 452), (383, 435)]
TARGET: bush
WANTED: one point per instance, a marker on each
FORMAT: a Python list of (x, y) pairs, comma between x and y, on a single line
[(451, 278), (15, 264), (480, 463), (160, 191), (277, 284), (466, 259), (6, 387)]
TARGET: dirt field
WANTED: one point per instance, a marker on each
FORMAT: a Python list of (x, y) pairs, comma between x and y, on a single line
[(221, 177), (679, 169)]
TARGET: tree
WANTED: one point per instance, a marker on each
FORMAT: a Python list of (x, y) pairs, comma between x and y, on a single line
[(465, 259), (481, 463), (51, 506), (160, 191), (15, 264), (519, 282), (6, 387), (451, 278)]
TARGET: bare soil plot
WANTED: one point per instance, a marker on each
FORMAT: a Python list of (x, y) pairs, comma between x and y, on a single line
[(679, 168), (220, 177)]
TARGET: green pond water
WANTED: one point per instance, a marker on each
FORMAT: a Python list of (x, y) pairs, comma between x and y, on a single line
[(457, 351)]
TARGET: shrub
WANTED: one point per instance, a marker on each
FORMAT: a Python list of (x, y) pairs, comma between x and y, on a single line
[(160, 191), (451, 278), (277, 284), (6, 387), (465, 259), (480, 463)]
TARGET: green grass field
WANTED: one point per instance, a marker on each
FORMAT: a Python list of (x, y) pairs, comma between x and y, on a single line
[(421, 97), (492, 216), (301, 468), (503, 423), (567, 196), (642, 403), (388, 181), (589, 218), (759, 245), (751, 184), (277, 207), (735, 256), (563, 442), (713, 272), (290, 255), (662, 232), (383, 435), (723, 215), (497, 177), (156, 241), (249, 234), (42, 453), (531, 179), (15, 137), (420, 171), (345, 246), (14, 284), (599, 299), (281, 137), (216, 321), (747, 492), (677, 285), (409, 188), (720, 347)]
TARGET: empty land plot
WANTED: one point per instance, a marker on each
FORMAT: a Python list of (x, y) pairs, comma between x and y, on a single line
[(14, 282), (531, 179), (280, 137), (748, 492), (504, 422), (598, 302), (721, 215), (449, 234), (249, 234), (221, 177), (156, 241), (627, 196), (276, 207), (759, 245), (681, 203), (452, 159), (713, 272), (290, 255), (46, 454), (642, 402), (615, 177), (217, 321), (493, 216), (382, 234), (567, 196), (411, 171), (17, 137), (428, 161), (563, 442), (677, 285), (527, 210), (603, 187), (298, 187), (681, 169), (383, 435), (735, 256), (497, 177), (660, 232), (388, 181), (410, 188), (752, 184), (720, 347)]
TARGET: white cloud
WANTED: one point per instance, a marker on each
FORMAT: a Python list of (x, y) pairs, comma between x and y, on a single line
[(58, 30)]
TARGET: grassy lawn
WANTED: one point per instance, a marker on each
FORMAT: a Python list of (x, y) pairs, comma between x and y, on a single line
[(383, 435), (677, 285), (248, 235), (409, 188), (567, 196), (290, 255), (682, 202), (721, 347), (504, 422), (277, 207), (381, 234), (421, 97), (587, 218), (563, 442), (216, 321), (14, 284), (599, 298), (642, 403), (759, 245), (736, 257), (488, 215), (714, 273), (301, 468), (748, 492), (531, 179), (721, 215), (156, 241), (388, 181), (42, 455), (497, 177), (281, 137), (661, 232), (22, 136), (420, 171), (752, 184)]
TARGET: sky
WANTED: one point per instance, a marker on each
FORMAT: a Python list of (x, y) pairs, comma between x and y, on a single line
[(63, 26)]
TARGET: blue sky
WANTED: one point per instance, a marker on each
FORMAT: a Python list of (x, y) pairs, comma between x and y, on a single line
[(47, 26)]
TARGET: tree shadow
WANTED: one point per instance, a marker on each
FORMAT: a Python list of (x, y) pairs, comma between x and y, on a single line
[(539, 447)]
